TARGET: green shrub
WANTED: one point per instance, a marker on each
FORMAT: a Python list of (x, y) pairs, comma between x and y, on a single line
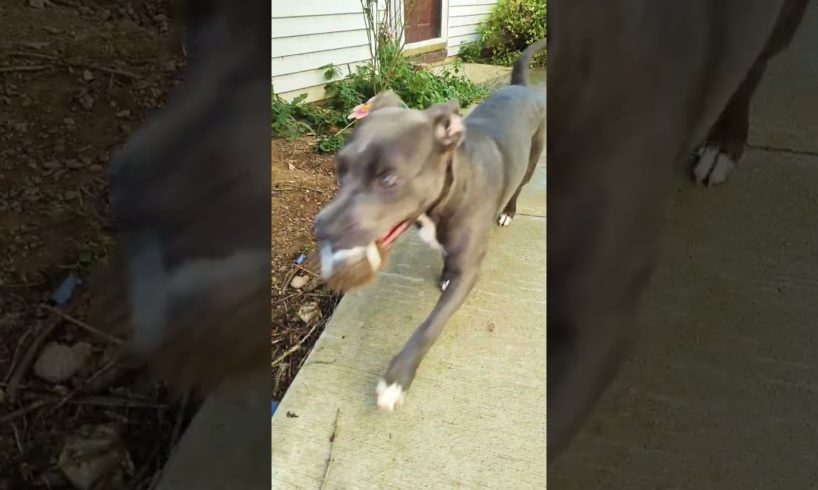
[(418, 88), (512, 26), (297, 118)]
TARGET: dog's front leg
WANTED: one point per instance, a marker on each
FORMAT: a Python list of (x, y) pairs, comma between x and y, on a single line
[(401, 372)]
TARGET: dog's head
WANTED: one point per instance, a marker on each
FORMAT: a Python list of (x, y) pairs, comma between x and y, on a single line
[(389, 173)]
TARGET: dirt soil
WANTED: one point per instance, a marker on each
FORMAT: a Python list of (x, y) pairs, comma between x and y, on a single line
[(303, 181), (76, 78)]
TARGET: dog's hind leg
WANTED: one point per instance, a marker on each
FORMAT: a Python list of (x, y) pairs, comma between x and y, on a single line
[(537, 147), (718, 157)]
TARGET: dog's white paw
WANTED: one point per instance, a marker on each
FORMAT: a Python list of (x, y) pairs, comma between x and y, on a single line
[(713, 166), (504, 220), (445, 284), (390, 397)]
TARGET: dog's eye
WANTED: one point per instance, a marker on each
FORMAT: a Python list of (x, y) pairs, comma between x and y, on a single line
[(390, 180)]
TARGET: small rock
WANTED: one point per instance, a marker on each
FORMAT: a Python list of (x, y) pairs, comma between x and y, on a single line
[(87, 75), (298, 282), (73, 163), (95, 456), (58, 362), (308, 312), (51, 164), (123, 113), (87, 102)]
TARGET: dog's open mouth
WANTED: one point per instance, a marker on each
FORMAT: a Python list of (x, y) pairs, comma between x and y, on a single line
[(393, 234)]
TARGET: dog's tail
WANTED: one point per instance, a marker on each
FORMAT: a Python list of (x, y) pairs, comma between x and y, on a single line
[(519, 74)]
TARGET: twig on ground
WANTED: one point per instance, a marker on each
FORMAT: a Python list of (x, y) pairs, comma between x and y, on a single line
[(70, 63), (15, 357), (301, 267), (23, 68), (17, 440), (295, 347), (28, 358), (99, 333), (284, 299), (332, 439), (103, 401), (65, 399), (23, 411), (293, 187), (39, 56), (112, 71)]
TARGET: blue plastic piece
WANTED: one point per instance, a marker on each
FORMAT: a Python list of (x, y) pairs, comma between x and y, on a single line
[(300, 260), (65, 291), (275, 405)]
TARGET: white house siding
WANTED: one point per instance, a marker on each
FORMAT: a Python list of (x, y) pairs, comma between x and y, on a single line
[(310, 34), (464, 18)]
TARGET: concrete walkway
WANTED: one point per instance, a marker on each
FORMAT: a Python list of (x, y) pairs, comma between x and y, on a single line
[(722, 391), (475, 415)]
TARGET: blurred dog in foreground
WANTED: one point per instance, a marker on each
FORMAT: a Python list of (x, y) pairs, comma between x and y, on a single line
[(189, 280), (635, 87)]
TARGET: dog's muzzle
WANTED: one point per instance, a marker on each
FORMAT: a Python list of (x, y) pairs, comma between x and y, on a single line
[(331, 259)]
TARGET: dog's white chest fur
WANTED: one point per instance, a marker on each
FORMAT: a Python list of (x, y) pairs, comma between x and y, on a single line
[(428, 232)]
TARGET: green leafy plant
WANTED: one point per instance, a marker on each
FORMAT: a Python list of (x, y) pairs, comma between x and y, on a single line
[(512, 26), (285, 124), (297, 118), (419, 88), (331, 143)]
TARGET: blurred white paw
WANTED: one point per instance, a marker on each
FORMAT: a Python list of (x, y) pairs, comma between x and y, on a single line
[(390, 397), (713, 166)]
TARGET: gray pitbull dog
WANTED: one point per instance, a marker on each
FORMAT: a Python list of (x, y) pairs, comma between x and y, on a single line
[(455, 179), (635, 86)]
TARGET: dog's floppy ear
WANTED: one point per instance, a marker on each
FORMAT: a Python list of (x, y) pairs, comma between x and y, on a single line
[(387, 99), (448, 124)]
